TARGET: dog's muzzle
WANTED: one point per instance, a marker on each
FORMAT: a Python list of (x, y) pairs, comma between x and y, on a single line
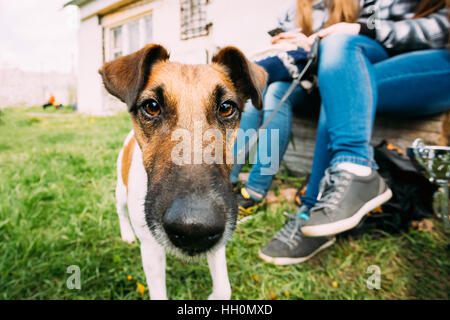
[(194, 225)]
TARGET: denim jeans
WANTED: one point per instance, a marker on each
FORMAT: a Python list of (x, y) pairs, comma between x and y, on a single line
[(276, 141), (357, 79)]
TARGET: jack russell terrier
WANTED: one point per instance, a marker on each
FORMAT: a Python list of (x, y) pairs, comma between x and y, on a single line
[(184, 208)]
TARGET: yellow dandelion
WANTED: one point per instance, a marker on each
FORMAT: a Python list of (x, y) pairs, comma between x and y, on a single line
[(335, 284), (287, 294), (91, 120), (129, 278), (255, 277), (273, 296), (141, 289)]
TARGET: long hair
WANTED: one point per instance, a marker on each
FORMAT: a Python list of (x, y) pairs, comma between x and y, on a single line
[(426, 7), (347, 11), (340, 11)]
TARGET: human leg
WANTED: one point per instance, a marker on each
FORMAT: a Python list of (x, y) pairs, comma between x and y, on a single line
[(350, 188)]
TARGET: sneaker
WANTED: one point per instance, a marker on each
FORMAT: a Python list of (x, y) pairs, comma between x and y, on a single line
[(344, 199), (247, 206), (289, 246), (236, 186)]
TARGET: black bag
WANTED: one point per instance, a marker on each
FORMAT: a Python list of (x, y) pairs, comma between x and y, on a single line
[(412, 198)]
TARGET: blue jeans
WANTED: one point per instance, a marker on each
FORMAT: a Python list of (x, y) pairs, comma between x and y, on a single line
[(357, 79), (278, 134)]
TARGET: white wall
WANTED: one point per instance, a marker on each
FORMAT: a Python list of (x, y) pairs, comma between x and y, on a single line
[(241, 23), (90, 88), (22, 88)]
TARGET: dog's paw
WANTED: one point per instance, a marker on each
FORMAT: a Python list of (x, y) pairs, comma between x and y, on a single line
[(128, 237)]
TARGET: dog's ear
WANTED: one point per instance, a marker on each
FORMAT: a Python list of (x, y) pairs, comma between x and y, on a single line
[(126, 76), (249, 79)]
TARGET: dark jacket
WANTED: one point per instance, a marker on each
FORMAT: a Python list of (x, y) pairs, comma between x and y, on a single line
[(390, 22)]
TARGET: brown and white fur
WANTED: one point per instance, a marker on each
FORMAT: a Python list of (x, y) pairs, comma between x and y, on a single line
[(186, 209)]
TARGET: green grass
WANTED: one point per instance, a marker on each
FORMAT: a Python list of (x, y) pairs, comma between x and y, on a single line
[(57, 178)]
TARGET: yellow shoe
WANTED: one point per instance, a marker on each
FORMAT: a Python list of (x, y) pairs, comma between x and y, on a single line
[(247, 206)]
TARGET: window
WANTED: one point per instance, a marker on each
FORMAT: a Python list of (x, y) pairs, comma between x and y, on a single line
[(193, 19), (130, 36), (148, 21), (117, 44), (133, 36)]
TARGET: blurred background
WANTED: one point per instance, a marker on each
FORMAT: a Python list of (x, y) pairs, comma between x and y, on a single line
[(38, 52), (59, 45)]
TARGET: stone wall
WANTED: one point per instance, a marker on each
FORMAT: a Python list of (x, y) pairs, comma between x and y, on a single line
[(20, 88)]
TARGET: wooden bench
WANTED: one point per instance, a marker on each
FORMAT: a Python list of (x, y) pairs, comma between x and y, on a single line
[(434, 130)]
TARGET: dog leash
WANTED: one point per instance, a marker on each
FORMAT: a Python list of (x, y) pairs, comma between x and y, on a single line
[(312, 60)]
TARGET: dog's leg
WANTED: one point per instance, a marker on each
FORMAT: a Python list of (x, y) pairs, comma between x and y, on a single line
[(154, 262), (218, 267), (126, 230)]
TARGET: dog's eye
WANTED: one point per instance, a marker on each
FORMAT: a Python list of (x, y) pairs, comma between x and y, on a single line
[(151, 108), (227, 109)]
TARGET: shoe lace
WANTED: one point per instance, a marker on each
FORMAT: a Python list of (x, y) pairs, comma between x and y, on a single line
[(291, 233), (331, 188)]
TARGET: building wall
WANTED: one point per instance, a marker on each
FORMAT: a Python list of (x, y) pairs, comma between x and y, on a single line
[(90, 88), (241, 23)]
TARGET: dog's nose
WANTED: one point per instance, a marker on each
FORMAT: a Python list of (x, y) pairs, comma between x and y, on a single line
[(194, 225)]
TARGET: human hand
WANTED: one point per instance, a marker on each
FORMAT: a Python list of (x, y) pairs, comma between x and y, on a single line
[(339, 28), (296, 38), (311, 39)]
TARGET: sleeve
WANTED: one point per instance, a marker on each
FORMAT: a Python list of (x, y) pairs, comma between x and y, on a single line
[(366, 18), (430, 32), (281, 19), (286, 17)]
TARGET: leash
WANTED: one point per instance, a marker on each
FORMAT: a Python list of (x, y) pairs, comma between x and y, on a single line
[(312, 60)]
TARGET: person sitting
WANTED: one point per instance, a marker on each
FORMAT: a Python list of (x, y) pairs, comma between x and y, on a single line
[(312, 18), (50, 102), (397, 67)]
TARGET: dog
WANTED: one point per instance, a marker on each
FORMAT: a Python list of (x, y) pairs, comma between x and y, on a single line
[(188, 209)]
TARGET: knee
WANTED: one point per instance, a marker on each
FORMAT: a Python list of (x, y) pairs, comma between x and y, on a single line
[(337, 42), (250, 110), (275, 91), (333, 49)]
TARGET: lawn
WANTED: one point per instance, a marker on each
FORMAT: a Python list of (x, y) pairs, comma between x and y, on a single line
[(57, 178)]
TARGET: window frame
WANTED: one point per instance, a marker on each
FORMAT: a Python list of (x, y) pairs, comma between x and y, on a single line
[(116, 49), (124, 25), (194, 19)]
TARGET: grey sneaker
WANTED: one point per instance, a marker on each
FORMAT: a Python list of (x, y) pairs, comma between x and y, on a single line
[(289, 246), (344, 199)]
